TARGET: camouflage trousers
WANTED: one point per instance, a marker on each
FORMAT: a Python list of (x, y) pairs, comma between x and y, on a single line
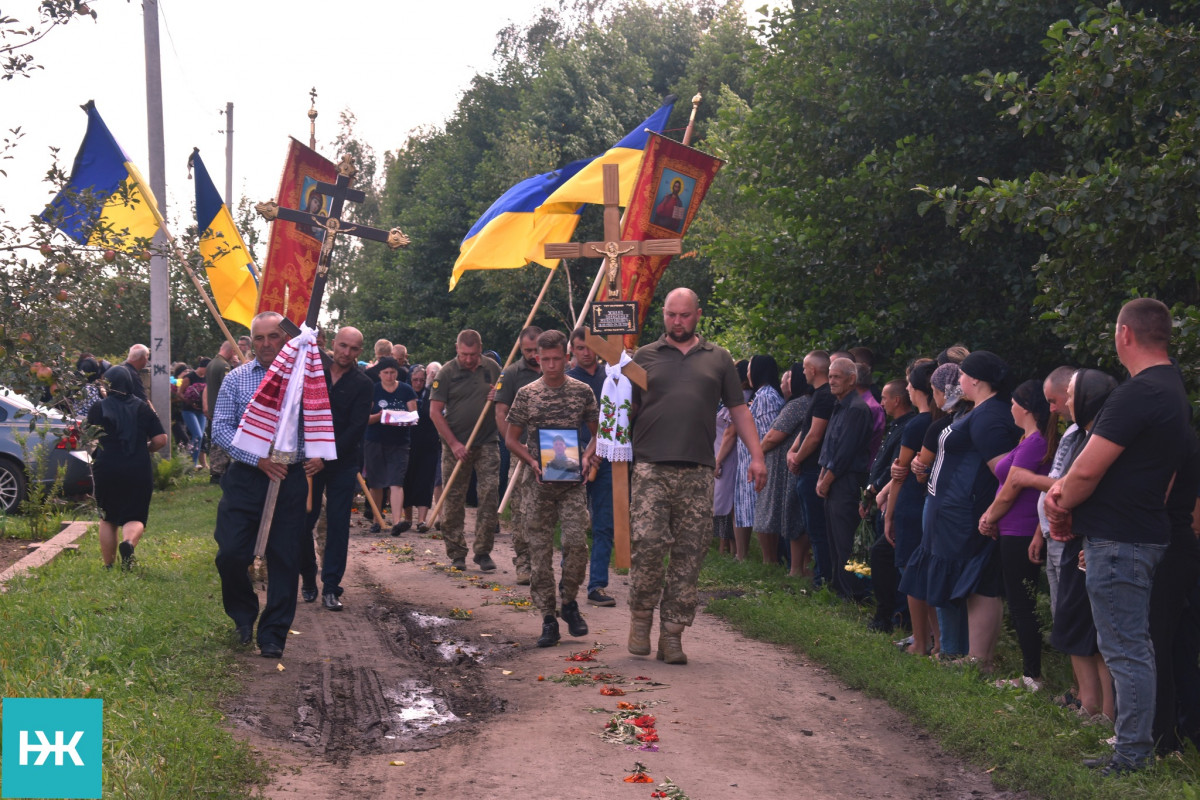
[(485, 460), (670, 519), (517, 504), (545, 505)]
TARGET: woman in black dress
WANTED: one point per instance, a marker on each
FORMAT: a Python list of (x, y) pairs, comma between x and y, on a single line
[(121, 468), (424, 450)]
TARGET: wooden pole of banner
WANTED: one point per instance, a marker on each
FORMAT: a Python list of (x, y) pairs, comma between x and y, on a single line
[(520, 465), (487, 407), (611, 251), (687, 134), (199, 287)]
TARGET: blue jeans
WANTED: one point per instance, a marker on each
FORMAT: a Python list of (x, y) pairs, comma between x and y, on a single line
[(952, 622), (814, 520), (599, 494), (1119, 578), (194, 421)]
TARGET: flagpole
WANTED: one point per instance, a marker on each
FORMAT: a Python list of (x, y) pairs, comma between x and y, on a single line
[(199, 286), (687, 134), (487, 407), (512, 482)]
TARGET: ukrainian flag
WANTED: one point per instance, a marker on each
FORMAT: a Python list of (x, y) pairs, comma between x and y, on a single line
[(509, 235), (106, 202), (588, 185), (231, 272)]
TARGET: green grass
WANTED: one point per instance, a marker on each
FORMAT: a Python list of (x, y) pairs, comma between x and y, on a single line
[(1028, 743), (154, 644)]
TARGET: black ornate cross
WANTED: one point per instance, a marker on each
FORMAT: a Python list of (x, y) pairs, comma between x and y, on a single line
[(333, 225)]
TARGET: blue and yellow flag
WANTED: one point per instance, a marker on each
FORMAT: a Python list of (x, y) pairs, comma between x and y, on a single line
[(231, 272), (588, 185), (509, 235), (106, 202)]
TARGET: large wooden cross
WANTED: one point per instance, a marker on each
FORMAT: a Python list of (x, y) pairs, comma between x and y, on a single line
[(332, 225), (610, 348)]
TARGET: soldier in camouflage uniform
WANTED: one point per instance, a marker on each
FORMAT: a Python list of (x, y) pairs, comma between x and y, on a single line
[(671, 510), (459, 393), (554, 401), (514, 377)]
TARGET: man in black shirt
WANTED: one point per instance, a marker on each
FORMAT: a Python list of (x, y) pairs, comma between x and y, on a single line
[(1114, 494), (350, 393), (884, 577), (802, 461)]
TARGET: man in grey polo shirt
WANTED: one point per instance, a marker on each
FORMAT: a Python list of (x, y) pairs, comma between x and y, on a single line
[(671, 507)]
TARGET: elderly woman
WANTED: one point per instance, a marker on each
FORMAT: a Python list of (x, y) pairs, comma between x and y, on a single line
[(779, 478), (121, 469), (424, 452), (954, 563), (385, 447), (768, 504)]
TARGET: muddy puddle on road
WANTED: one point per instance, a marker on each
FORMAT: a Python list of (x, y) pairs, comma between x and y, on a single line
[(387, 678)]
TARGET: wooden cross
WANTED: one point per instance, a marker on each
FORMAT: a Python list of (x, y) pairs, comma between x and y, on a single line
[(612, 248), (610, 348), (332, 225)]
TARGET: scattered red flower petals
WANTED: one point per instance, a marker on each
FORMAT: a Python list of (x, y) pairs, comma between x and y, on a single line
[(573, 671), (612, 691), (583, 655), (627, 706), (639, 777)]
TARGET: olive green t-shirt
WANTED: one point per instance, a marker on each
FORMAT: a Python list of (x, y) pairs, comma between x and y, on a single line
[(515, 376), (677, 412), (465, 394)]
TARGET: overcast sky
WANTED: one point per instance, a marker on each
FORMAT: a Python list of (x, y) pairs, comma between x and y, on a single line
[(398, 65)]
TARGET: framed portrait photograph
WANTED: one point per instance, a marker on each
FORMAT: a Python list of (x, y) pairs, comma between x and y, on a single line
[(560, 456)]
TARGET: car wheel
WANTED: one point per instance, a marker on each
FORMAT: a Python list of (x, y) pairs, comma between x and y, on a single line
[(12, 485)]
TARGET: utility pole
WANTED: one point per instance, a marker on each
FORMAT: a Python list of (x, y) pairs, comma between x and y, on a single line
[(229, 156), (160, 299)]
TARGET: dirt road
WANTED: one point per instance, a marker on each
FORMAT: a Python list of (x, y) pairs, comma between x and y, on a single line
[(392, 697)]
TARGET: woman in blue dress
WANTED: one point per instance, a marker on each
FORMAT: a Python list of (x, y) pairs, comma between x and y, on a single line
[(955, 567)]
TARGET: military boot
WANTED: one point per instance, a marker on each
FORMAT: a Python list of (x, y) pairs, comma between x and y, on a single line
[(549, 636), (670, 648), (639, 631), (575, 624)]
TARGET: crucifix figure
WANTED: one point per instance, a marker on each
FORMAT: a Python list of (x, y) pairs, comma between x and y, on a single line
[(610, 348), (612, 248), (332, 225)]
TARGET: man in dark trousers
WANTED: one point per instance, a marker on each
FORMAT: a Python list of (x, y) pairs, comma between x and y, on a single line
[(244, 489), (844, 465), (350, 393)]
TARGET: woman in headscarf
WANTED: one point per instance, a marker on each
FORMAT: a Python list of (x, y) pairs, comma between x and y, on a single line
[(954, 566), (1074, 630), (386, 447), (93, 390), (1012, 518), (423, 454), (121, 468)]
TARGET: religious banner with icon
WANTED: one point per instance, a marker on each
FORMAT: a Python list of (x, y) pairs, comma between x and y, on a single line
[(293, 250), (671, 184)]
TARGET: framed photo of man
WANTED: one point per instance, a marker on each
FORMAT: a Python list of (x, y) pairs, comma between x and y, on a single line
[(560, 458)]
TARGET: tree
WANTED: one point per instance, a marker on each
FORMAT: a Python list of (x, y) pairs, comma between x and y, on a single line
[(1115, 215), (852, 106)]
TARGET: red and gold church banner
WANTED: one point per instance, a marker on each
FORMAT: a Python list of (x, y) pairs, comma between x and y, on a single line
[(292, 249), (671, 184)]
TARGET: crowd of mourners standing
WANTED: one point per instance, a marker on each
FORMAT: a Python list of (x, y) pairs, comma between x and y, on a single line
[(939, 496)]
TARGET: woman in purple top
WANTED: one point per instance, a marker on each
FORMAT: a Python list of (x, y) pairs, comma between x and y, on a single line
[(1012, 518)]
